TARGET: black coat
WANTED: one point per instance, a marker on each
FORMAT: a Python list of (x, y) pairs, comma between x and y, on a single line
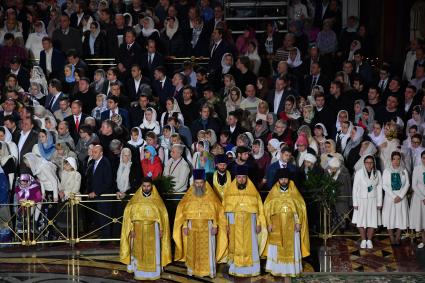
[(147, 70), (202, 45), (72, 128), (134, 93), (101, 179), (100, 45), (174, 46), (58, 63), (131, 56)]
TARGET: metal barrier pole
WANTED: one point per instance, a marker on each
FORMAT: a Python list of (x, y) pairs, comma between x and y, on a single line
[(71, 203)]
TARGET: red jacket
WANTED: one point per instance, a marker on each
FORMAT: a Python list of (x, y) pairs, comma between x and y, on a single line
[(155, 168)]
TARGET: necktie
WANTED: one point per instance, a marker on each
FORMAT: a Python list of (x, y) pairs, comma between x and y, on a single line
[(128, 46), (51, 103), (77, 123), (314, 82), (150, 59), (213, 49)]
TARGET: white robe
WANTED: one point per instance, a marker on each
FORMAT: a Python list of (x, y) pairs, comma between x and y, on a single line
[(395, 215), (367, 214), (142, 275), (254, 269), (417, 207), (285, 269)]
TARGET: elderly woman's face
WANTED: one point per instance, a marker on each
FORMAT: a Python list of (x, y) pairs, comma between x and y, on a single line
[(126, 157)]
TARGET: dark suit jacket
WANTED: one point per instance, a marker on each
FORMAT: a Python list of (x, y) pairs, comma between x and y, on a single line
[(101, 178), (55, 106), (270, 100), (129, 57), (202, 45), (31, 140), (122, 112), (165, 92), (58, 63), (214, 65), (134, 93), (74, 21), (322, 81), (158, 60), (233, 136), (72, 128), (271, 173), (14, 114), (24, 78)]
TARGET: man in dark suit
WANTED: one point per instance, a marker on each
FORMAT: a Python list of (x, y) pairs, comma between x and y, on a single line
[(129, 53), (22, 74), (27, 139), (362, 67), (9, 107), (162, 86), (55, 94), (233, 127), (137, 111), (99, 183), (325, 114), (114, 109), (283, 162), (151, 60), (76, 17), (277, 96), (218, 49), (137, 84), (52, 60), (315, 78), (75, 120), (205, 122), (179, 81), (111, 77), (11, 124)]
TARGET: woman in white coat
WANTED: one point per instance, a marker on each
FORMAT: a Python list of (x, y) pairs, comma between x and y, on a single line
[(395, 211), (417, 204), (367, 201)]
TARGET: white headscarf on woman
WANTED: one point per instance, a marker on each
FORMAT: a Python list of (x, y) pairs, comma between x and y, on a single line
[(261, 151), (170, 31), (13, 148), (297, 61), (37, 76), (123, 173), (150, 29), (367, 148), (354, 49), (140, 141), (225, 67)]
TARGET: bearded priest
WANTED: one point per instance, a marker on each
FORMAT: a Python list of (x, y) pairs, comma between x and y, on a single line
[(200, 228)]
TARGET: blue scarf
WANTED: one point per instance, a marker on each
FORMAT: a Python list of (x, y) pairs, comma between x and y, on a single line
[(47, 149)]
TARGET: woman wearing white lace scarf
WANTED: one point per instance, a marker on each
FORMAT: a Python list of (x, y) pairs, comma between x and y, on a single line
[(367, 201), (396, 208), (123, 173)]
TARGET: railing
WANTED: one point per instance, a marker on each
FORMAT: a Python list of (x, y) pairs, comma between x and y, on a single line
[(65, 225)]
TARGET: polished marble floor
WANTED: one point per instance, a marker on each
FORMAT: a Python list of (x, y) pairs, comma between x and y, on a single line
[(341, 261)]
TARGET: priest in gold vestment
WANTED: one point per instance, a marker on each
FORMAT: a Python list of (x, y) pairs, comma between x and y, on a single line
[(200, 228), (247, 225), (288, 239), (145, 236), (221, 179)]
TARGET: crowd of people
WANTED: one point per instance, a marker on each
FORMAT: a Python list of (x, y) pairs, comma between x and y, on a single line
[(306, 100)]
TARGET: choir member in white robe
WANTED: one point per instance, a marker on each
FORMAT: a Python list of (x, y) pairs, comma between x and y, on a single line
[(395, 182), (417, 204), (367, 201)]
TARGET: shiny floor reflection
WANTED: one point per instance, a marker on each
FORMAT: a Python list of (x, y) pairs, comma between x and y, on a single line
[(99, 263)]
